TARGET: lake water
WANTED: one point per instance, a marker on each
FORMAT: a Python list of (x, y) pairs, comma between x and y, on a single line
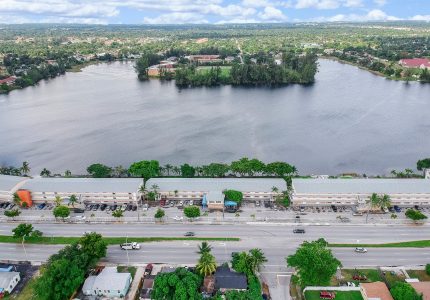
[(348, 121)]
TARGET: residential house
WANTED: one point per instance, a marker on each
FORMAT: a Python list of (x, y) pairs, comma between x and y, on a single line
[(423, 288), (8, 281), (109, 283), (228, 280), (8, 81), (421, 63), (375, 290)]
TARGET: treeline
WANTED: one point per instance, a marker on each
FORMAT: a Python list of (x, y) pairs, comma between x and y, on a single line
[(189, 75)]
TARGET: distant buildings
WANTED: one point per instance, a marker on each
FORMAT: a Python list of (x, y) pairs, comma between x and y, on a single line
[(421, 63), (206, 58), (8, 81)]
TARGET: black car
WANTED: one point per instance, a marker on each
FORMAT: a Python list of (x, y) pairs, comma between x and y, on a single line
[(134, 208), (334, 208), (103, 207), (129, 207), (78, 210), (189, 233), (114, 207), (299, 230)]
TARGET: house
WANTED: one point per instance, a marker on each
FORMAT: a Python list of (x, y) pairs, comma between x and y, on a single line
[(422, 287), (205, 58), (109, 283), (228, 280), (375, 290), (421, 63), (8, 281), (8, 81), (154, 71), (320, 192)]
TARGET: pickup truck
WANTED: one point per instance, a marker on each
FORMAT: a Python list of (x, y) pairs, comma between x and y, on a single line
[(130, 246)]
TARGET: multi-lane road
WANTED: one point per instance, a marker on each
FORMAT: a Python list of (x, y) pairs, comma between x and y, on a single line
[(277, 242)]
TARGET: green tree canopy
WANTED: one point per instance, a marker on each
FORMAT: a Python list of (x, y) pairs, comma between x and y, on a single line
[(117, 213), (280, 169), (12, 213), (248, 262), (146, 169), (403, 291), (415, 215), (204, 247), (99, 170), (215, 170), (73, 200), (159, 213), (61, 211), (423, 164), (179, 285), (187, 171), (192, 211), (314, 263), (233, 195), (22, 230), (245, 166), (45, 173), (206, 264)]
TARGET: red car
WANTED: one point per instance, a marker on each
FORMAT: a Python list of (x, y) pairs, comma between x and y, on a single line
[(148, 269), (327, 295)]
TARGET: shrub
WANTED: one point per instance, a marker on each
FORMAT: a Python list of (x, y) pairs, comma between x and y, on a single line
[(233, 195), (428, 269)]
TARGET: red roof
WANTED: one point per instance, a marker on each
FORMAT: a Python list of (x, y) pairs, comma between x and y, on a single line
[(10, 79), (415, 62)]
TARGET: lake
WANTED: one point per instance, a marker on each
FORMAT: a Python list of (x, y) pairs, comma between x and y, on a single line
[(348, 121)]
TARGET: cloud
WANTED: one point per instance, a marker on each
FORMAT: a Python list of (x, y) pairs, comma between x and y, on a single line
[(380, 2), (272, 14), (421, 18), (373, 15), (238, 21), (176, 18), (318, 4), (353, 3)]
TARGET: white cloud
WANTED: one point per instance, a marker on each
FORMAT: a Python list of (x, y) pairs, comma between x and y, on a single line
[(238, 21), (13, 19), (373, 15), (176, 18), (255, 3), (380, 2), (272, 14), (318, 4), (421, 18), (353, 3)]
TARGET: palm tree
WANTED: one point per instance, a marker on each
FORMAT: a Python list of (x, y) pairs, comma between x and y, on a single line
[(199, 171), (160, 170), (155, 188), (16, 199), (25, 169), (204, 248), (68, 173), (45, 173), (257, 259), (394, 173), (176, 170), (57, 200), (294, 170), (374, 200), (409, 172), (119, 171), (168, 168), (275, 189), (206, 265), (384, 201), (73, 200)]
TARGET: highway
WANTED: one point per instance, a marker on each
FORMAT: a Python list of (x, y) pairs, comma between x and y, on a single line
[(277, 242)]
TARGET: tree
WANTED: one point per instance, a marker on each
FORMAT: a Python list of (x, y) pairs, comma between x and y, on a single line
[(12, 213), (192, 211), (245, 166), (72, 200), (159, 214), (25, 169), (233, 195), (67, 173), (423, 164), (179, 285), (146, 169), (45, 173), (119, 171), (415, 215), (168, 168), (58, 200), (215, 170), (403, 291), (94, 246), (380, 201), (61, 211), (16, 199), (206, 264), (248, 262), (314, 263), (257, 259), (279, 169), (99, 170), (204, 247), (117, 213), (187, 171), (428, 269), (22, 231)]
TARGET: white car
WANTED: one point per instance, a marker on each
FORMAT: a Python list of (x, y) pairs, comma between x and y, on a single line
[(191, 202), (130, 246), (124, 207), (176, 218), (80, 217), (360, 250), (351, 284)]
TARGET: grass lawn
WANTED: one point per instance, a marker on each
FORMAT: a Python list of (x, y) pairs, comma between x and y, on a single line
[(58, 240), (393, 279), (26, 293), (420, 274), (125, 269), (410, 244), (371, 274), (225, 70), (315, 295)]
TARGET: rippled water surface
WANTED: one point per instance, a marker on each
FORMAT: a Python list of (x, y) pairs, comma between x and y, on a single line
[(349, 120)]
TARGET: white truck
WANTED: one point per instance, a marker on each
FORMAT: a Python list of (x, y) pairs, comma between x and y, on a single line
[(130, 246)]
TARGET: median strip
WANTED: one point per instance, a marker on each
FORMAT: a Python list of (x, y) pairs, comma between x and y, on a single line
[(109, 240), (410, 244)]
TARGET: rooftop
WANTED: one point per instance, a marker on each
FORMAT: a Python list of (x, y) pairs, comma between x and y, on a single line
[(423, 288), (5, 279), (376, 290), (361, 186), (83, 185), (110, 279), (218, 184), (8, 183), (227, 279)]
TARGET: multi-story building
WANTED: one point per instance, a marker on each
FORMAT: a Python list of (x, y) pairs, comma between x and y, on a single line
[(351, 192)]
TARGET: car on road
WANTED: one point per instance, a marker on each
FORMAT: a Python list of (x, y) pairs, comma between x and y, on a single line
[(189, 233), (130, 246), (177, 218), (360, 250), (80, 218), (299, 230), (129, 207)]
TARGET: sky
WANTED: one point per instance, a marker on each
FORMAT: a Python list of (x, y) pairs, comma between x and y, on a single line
[(209, 11)]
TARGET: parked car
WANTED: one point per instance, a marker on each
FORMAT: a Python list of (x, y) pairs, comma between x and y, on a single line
[(78, 210), (123, 207), (327, 295), (129, 207), (257, 203), (134, 208), (103, 207), (299, 230), (130, 246), (191, 202), (189, 233), (360, 250), (397, 208), (148, 270), (40, 206), (351, 284), (177, 218), (359, 277)]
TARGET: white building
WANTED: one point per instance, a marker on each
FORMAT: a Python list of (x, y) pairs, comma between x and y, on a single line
[(345, 192), (8, 281), (109, 283), (9, 185), (87, 190)]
